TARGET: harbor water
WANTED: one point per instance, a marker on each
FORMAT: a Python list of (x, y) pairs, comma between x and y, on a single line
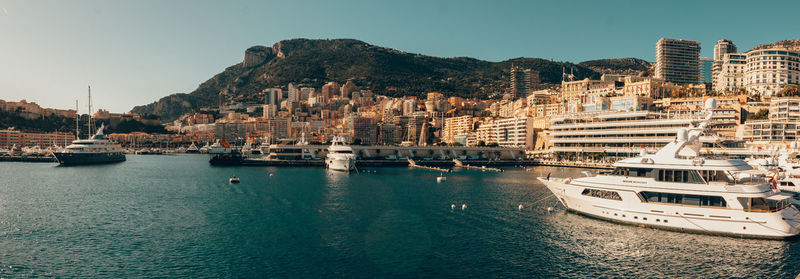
[(177, 216)]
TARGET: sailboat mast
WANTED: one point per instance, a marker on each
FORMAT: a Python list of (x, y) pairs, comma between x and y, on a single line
[(77, 122), (90, 110)]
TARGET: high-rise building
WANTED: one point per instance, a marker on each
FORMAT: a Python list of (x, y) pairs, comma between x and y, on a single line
[(364, 129), (347, 89), (409, 106), (328, 91), (678, 60), (306, 92), (722, 47), (706, 66), (273, 96), (522, 81), (294, 94)]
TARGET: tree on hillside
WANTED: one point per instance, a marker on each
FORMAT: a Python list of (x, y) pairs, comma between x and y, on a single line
[(789, 91), (760, 115)]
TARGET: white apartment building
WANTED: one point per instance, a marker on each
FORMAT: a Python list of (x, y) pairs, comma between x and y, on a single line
[(730, 72), (455, 126), (511, 132), (770, 70), (783, 124)]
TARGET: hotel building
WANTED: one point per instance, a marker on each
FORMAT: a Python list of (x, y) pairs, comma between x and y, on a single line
[(770, 70)]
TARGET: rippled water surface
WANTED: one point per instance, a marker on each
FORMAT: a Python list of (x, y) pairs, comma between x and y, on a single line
[(176, 216)]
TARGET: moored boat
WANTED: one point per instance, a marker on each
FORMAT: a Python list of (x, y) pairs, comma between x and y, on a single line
[(340, 155), (678, 189)]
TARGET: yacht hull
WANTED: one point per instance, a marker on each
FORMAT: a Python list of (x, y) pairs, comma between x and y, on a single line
[(344, 164), (74, 159), (716, 221)]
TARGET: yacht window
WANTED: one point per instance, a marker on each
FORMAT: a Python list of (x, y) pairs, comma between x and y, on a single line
[(641, 172), (620, 171), (680, 176), (764, 205), (683, 199), (603, 194)]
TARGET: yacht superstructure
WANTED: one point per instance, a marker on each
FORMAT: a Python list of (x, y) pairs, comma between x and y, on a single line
[(677, 189), (340, 155)]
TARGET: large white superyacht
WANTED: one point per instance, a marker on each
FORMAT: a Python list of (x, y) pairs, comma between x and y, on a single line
[(340, 155), (677, 189), (96, 150)]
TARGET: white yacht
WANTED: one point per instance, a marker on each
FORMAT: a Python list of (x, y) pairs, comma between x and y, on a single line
[(96, 150), (340, 155), (677, 189), (205, 149), (220, 148)]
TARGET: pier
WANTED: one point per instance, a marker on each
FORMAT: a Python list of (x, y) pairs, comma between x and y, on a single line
[(482, 168), (413, 164), (30, 159)]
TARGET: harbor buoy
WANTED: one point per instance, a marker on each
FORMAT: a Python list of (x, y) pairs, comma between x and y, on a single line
[(520, 207), (464, 206)]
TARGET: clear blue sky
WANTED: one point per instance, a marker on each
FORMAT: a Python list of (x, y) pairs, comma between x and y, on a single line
[(134, 52)]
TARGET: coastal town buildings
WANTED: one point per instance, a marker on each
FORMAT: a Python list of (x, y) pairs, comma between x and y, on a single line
[(11, 137)]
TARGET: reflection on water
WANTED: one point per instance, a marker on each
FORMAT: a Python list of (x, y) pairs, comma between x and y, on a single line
[(175, 216)]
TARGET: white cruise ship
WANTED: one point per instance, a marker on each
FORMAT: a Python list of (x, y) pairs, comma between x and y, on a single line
[(677, 189), (340, 155)]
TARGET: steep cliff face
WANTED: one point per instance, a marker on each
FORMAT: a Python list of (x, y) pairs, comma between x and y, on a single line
[(257, 55), (383, 70)]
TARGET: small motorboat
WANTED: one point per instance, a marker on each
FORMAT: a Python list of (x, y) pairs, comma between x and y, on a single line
[(441, 178), (233, 180)]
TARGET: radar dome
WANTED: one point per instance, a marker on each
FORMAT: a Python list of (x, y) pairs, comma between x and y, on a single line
[(683, 134)]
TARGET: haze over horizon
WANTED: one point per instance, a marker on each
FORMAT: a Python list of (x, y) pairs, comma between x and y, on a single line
[(133, 53)]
